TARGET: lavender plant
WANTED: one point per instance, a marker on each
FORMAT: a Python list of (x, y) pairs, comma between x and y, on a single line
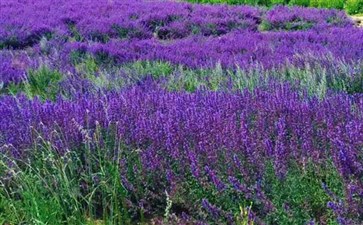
[(282, 126), (124, 112)]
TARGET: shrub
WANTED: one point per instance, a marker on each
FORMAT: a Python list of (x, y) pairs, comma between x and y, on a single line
[(331, 4), (314, 3), (354, 6), (251, 2), (278, 2), (300, 2), (255, 2)]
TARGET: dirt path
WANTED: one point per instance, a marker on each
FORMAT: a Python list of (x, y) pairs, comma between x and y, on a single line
[(358, 20)]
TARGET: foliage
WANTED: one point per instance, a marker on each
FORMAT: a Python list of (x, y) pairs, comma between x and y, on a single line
[(337, 4), (43, 83), (50, 188), (300, 2), (354, 6)]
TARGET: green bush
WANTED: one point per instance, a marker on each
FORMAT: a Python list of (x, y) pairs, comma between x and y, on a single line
[(250, 2), (237, 2), (354, 6), (300, 2), (278, 2), (314, 3), (331, 4)]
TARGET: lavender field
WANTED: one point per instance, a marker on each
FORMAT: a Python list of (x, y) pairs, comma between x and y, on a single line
[(165, 112)]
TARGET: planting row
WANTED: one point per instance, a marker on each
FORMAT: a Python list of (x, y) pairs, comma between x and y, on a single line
[(235, 49), (224, 143), (88, 76), (245, 50), (105, 20)]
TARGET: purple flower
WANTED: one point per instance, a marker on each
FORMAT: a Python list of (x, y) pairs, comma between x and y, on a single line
[(211, 209)]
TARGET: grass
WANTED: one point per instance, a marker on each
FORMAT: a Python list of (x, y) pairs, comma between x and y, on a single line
[(312, 78), (316, 79), (54, 188), (43, 83)]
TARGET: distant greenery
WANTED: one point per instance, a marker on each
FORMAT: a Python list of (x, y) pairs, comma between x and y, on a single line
[(352, 6)]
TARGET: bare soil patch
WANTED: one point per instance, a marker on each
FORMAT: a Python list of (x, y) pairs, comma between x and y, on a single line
[(358, 20)]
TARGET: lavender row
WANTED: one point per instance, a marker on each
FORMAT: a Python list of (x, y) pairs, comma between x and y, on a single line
[(241, 49), (103, 20), (58, 73), (205, 130)]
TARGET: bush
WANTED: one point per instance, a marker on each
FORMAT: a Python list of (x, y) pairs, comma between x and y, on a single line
[(354, 6), (278, 2), (300, 2), (331, 4), (250, 2), (314, 3), (257, 2)]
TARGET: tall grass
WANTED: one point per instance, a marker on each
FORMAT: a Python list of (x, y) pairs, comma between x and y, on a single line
[(314, 76), (76, 187), (317, 78)]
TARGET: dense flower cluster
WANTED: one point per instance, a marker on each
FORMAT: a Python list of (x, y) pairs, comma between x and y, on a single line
[(301, 18), (13, 67), (203, 35), (245, 131), (144, 20), (241, 49)]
